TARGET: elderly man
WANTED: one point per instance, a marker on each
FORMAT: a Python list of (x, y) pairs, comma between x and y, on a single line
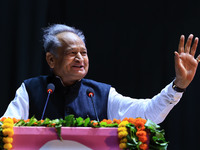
[(66, 55)]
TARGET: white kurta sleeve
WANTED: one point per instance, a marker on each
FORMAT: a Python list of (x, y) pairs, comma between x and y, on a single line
[(19, 106), (155, 109)]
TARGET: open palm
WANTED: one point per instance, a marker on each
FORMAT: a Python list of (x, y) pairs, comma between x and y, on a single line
[(185, 63)]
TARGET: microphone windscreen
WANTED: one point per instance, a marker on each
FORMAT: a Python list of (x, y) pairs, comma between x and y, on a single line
[(90, 92), (51, 87)]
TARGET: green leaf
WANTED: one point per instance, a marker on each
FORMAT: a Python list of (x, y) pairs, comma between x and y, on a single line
[(46, 122), (20, 123), (69, 121), (58, 131), (31, 121), (87, 122), (103, 124), (151, 125), (132, 130), (79, 122), (157, 147)]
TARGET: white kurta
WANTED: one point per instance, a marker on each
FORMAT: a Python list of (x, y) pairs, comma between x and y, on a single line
[(119, 106)]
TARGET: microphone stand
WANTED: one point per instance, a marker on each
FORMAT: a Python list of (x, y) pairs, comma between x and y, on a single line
[(46, 104), (94, 108)]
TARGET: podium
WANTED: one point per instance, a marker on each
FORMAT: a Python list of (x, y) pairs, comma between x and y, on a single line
[(77, 138)]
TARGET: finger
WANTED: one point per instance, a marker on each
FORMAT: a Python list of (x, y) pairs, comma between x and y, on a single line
[(194, 46), (181, 44), (176, 57), (198, 58), (188, 43)]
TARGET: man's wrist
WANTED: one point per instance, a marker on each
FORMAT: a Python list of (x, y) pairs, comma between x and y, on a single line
[(177, 89)]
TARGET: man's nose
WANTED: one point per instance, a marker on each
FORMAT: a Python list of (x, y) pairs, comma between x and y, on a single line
[(79, 56)]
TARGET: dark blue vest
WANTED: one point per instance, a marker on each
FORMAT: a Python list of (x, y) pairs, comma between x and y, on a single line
[(66, 100)]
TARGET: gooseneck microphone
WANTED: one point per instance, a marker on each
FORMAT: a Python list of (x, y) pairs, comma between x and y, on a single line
[(50, 90), (90, 93)]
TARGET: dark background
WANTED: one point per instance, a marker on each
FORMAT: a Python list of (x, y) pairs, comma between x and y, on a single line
[(130, 44)]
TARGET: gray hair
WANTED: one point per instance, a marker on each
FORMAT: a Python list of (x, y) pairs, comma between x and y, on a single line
[(51, 42)]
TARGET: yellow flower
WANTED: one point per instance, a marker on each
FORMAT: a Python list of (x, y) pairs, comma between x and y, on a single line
[(8, 132), (7, 125), (8, 120), (122, 145), (7, 139), (123, 140), (123, 124), (7, 146), (122, 134), (122, 129)]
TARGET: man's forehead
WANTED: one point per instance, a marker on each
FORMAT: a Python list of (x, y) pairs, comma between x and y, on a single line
[(66, 34), (68, 37), (71, 41)]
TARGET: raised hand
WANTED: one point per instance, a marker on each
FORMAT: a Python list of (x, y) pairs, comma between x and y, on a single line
[(185, 63)]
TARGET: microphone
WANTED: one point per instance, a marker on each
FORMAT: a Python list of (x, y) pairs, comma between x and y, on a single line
[(90, 93), (50, 90)]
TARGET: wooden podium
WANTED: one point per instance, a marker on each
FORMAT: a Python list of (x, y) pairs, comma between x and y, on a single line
[(77, 138)]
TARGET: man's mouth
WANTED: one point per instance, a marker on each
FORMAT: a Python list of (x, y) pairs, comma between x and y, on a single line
[(78, 66)]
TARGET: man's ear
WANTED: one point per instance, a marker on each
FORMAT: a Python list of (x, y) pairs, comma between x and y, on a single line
[(50, 58)]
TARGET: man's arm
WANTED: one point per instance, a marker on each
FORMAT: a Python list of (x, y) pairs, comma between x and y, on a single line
[(160, 105), (155, 109), (19, 106)]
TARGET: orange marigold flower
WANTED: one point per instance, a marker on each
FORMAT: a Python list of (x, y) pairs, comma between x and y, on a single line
[(142, 136), (116, 121), (122, 129), (104, 120), (122, 134), (142, 120), (140, 128), (8, 132), (143, 139), (109, 121), (131, 120), (94, 123), (143, 146), (139, 123), (16, 120), (122, 145), (27, 120), (125, 119), (8, 120), (123, 124), (7, 146), (53, 124), (123, 140), (141, 133), (7, 139), (2, 119), (7, 125)]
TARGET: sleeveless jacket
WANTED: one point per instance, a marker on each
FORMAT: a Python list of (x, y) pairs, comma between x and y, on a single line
[(66, 100)]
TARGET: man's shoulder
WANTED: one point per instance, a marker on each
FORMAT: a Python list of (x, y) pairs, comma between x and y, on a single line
[(90, 81), (41, 78)]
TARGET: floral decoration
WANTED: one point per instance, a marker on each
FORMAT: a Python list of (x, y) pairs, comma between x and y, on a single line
[(133, 134)]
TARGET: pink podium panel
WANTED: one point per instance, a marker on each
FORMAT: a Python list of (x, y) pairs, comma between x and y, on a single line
[(79, 138)]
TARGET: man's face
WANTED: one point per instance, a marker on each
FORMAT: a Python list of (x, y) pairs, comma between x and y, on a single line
[(71, 63)]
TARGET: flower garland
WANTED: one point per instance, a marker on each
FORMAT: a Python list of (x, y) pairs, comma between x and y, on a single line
[(122, 133), (7, 133), (138, 133)]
